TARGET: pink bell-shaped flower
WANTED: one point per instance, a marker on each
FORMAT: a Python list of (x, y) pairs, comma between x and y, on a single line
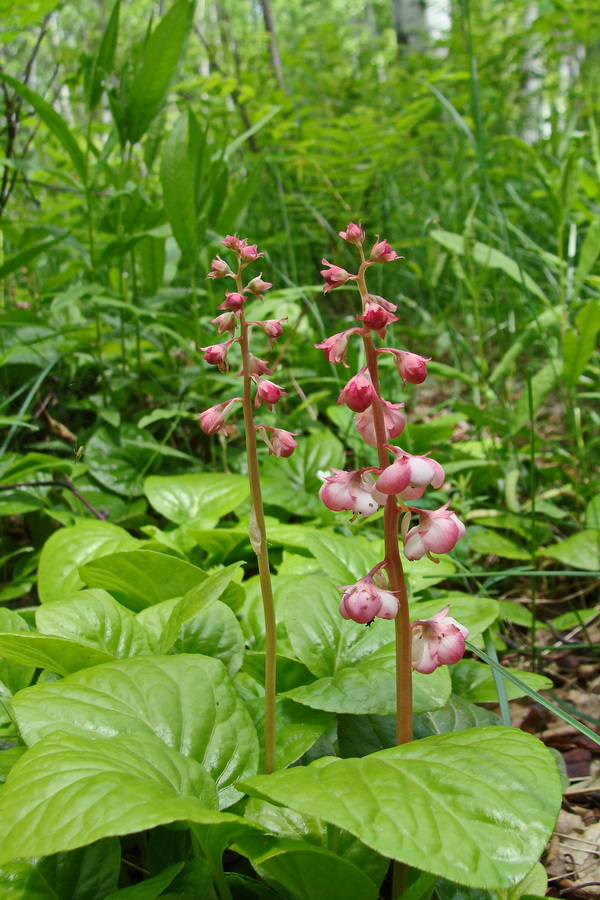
[(279, 442), (353, 491), (336, 346), (409, 475), (377, 317), (359, 392), (212, 421), (437, 532), (219, 268), (382, 252), (363, 601), (353, 234), (267, 392), (439, 641), (216, 354), (334, 276), (411, 367), (393, 421)]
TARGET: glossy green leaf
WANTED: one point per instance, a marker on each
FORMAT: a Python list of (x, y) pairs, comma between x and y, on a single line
[(474, 681), (94, 618), (345, 559), (88, 873), (188, 701), (155, 71), (321, 638), (297, 729), (215, 632), (457, 715), (45, 651), (580, 551), (13, 675), (475, 806), (369, 688), (199, 500), (141, 578), (70, 790), (150, 888), (68, 549), (53, 120)]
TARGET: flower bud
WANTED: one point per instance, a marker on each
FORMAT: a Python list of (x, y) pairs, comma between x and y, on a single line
[(336, 346), (216, 355), (439, 641), (212, 421), (233, 300), (358, 393), (353, 234), (257, 286), (219, 268), (271, 327), (249, 253), (382, 252), (267, 392), (334, 276), (410, 366)]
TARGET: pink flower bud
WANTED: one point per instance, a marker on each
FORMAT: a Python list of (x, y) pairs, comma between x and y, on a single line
[(409, 475), (334, 276), (271, 327), (393, 421), (257, 286), (219, 268), (212, 421), (365, 600), (352, 491), (382, 252), (279, 442), (267, 392), (437, 532), (233, 300), (375, 298), (249, 253), (377, 317), (256, 366), (336, 346), (358, 393), (225, 322), (439, 641), (411, 367), (353, 234), (216, 355), (232, 242)]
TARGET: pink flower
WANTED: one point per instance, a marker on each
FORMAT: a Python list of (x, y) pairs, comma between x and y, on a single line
[(358, 393), (219, 268), (279, 442), (233, 242), (365, 600), (233, 300), (256, 366), (437, 532), (439, 641), (225, 322), (354, 491), (409, 475), (382, 252), (249, 253), (216, 355), (212, 421), (336, 346), (271, 327), (257, 286), (334, 276), (376, 317), (393, 421), (411, 367), (353, 234), (375, 298), (267, 392)]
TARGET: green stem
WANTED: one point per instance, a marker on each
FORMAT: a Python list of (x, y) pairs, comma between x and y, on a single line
[(258, 539)]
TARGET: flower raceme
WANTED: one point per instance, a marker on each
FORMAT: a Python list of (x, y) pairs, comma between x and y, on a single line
[(437, 532), (355, 491), (439, 641)]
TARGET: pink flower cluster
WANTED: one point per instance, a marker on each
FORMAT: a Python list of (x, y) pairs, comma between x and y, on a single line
[(232, 321), (439, 640)]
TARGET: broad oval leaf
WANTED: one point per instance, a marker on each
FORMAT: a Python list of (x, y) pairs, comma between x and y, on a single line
[(190, 702), (196, 499), (47, 651), (475, 806), (474, 681)]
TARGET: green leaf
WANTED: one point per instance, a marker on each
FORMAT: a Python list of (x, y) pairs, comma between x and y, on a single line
[(155, 71), (178, 177), (14, 676), (70, 790), (587, 256), (474, 681), (57, 654), (321, 639), (578, 346), (305, 870), (490, 542), (369, 688), (489, 258), (89, 873), (545, 323), (16, 262), (541, 384), (457, 715), (188, 701), (141, 578), (118, 459), (297, 729), (53, 121), (215, 632), (95, 619), (199, 500), (15, 467), (69, 548), (345, 559), (580, 551), (493, 793), (104, 60), (149, 889)]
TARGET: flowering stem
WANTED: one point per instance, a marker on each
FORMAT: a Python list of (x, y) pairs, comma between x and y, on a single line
[(393, 563), (258, 539)]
